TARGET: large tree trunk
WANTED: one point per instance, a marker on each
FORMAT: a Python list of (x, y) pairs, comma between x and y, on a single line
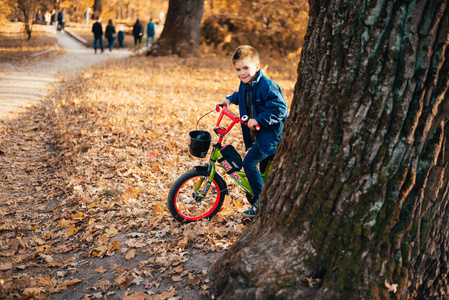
[(97, 9), (356, 204), (181, 32)]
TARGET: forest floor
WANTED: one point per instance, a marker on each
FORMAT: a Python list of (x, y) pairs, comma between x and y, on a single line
[(85, 172)]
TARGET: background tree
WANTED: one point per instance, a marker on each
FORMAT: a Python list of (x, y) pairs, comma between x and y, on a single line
[(181, 31), (97, 9), (357, 203), (28, 9)]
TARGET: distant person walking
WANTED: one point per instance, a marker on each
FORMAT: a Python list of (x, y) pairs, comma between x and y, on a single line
[(97, 29), (54, 20), (150, 32), (47, 17), (61, 20), (121, 36), (87, 15), (110, 34), (38, 17), (137, 33)]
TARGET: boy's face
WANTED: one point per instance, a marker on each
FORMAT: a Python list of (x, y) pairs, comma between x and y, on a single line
[(246, 69)]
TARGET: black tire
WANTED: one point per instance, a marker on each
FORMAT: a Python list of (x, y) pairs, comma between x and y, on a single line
[(183, 202)]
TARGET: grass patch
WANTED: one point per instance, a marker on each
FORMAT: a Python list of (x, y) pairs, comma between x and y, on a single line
[(16, 49)]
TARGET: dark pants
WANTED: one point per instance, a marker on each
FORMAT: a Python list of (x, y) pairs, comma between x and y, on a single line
[(111, 42), (137, 38), (98, 39), (252, 159)]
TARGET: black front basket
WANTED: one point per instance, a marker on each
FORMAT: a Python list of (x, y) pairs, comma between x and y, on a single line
[(199, 142)]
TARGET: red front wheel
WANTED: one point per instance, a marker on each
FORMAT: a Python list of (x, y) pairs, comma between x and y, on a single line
[(188, 201)]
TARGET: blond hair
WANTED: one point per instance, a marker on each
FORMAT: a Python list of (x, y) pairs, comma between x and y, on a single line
[(245, 52)]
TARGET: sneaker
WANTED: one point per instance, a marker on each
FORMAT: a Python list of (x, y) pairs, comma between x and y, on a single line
[(251, 213)]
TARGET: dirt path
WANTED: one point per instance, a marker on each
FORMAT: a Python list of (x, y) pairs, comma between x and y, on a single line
[(22, 86)]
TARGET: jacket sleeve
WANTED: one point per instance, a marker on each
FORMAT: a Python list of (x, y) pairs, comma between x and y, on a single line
[(276, 109), (233, 98)]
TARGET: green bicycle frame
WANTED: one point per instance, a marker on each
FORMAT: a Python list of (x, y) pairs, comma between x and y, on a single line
[(239, 177)]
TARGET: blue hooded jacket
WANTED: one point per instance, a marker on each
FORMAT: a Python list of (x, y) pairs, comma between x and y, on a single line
[(269, 110)]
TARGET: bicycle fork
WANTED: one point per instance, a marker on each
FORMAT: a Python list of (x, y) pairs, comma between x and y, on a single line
[(199, 197)]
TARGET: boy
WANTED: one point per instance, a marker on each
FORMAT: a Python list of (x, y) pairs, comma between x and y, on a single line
[(261, 99)]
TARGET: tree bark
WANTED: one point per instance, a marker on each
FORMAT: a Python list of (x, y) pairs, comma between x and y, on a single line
[(356, 203), (181, 32)]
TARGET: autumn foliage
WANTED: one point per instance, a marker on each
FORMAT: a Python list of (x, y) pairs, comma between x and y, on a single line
[(273, 26)]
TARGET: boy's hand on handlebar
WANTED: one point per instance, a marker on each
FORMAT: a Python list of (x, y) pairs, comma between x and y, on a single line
[(225, 102), (252, 123)]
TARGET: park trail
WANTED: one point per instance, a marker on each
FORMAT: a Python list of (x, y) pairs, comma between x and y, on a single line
[(21, 86)]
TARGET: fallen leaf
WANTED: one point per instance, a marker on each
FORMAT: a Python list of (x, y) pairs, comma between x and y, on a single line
[(157, 208), (5, 266), (179, 269), (32, 292), (72, 281), (133, 243), (115, 245), (77, 215), (99, 251), (166, 295), (73, 230), (124, 281), (103, 285), (112, 231), (101, 270), (138, 296), (131, 254)]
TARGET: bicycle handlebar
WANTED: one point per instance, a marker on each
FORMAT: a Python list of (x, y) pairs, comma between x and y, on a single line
[(235, 119)]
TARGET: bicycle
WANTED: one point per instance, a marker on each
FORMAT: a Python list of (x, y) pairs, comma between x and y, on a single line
[(200, 193)]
